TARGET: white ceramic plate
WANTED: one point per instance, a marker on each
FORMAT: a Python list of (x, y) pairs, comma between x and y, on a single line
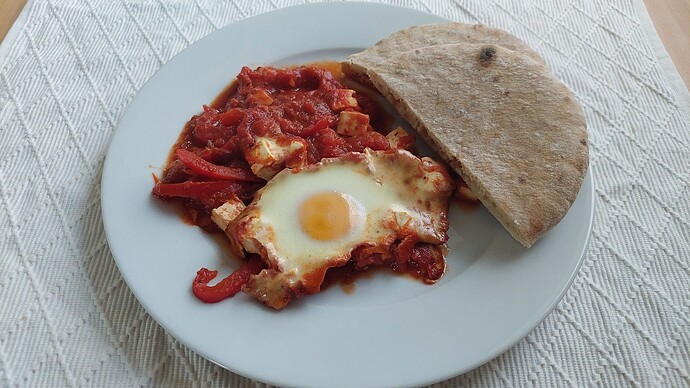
[(392, 330)]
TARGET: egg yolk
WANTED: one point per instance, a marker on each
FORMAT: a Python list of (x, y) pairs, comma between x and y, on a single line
[(326, 216)]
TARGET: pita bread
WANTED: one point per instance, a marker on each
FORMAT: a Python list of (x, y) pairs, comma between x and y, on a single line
[(430, 35), (514, 132)]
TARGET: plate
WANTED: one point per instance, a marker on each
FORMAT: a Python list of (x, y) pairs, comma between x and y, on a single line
[(392, 331)]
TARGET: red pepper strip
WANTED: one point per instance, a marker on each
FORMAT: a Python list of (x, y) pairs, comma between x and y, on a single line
[(227, 287), (190, 189), (208, 169)]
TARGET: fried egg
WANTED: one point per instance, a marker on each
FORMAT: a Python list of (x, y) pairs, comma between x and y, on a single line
[(307, 220)]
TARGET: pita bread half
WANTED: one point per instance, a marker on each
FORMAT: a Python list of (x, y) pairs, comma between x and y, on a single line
[(431, 35), (514, 132)]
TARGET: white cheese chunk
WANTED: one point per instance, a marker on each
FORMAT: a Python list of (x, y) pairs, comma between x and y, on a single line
[(268, 157), (227, 212), (352, 123), (344, 98), (395, 137)]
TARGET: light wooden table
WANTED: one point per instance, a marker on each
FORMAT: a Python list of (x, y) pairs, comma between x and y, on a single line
[(671, 19)]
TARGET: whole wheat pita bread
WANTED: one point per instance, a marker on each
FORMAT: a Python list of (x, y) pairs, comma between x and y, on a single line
[(430, 35), (513, 131)]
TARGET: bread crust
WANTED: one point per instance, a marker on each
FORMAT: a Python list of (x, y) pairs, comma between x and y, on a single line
[(430, 35)]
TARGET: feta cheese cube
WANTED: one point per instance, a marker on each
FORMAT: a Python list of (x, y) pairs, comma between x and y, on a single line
[(227, 212), (344, 98), (352, 123)]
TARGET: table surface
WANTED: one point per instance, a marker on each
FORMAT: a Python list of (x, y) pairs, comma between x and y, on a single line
[(69, 318), (671, 19)]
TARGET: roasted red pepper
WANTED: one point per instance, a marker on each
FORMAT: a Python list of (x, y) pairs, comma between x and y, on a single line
[(227, 287), (190, 189), (200, 166)]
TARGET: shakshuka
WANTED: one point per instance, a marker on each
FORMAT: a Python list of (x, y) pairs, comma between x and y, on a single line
[(305, 176)]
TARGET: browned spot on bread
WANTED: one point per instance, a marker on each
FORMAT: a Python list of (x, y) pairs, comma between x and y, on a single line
[(486, 55), (432, 34)]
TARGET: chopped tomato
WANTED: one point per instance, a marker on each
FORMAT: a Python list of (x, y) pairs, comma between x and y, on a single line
[(207, 128), (231, 117), (427, 262), (403, 252), (371, 139)]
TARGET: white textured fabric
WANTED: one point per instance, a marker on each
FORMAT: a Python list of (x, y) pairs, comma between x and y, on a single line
[(68, 69)]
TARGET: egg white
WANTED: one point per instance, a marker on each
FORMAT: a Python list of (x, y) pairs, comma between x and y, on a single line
[(370, 201)]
